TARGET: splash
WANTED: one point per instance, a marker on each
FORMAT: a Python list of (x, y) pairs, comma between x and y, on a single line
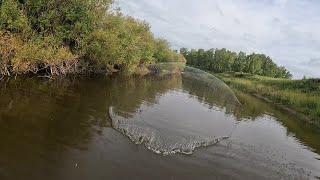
[(159, 140)]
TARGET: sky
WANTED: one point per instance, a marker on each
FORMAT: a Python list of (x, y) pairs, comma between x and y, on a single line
[(286, 30)]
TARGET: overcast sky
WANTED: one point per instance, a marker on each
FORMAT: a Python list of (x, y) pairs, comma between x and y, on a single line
[(286, 30)]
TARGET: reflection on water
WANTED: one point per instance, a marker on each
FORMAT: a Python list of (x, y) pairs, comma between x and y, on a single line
[(61, 130)]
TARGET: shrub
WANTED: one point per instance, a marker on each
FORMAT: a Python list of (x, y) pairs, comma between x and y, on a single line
[(75, 36)]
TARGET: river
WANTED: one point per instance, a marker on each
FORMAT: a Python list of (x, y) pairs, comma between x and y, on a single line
[(62, 129)]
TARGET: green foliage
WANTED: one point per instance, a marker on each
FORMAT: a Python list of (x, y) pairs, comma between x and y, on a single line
[(303, 96), (43, 53), (161, 51), (12, 17), (222, 60), (76, 36)]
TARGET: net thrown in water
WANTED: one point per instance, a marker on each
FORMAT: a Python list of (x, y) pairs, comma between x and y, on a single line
[(217, 86), (160, 139)]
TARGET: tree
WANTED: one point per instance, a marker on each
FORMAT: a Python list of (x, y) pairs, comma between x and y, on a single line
[(240, 62), (76, 36), (223, 60)]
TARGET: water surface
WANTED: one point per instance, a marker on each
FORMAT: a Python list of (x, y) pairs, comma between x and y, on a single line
[(62, 130)]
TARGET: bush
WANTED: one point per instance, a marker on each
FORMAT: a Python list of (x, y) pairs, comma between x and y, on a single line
[(75, 36), (41, 54), (9, 45)]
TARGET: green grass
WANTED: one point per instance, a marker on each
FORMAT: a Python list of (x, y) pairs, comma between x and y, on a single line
[(302, 96)]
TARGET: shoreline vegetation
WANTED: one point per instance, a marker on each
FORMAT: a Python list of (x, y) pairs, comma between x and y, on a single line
[(258, 75), (57, 38), (223, 60), (297, 97)]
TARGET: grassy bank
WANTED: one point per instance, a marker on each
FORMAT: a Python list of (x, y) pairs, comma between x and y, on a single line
[(297, 96)]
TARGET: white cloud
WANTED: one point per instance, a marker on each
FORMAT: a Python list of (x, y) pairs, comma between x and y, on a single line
[(286, 30)]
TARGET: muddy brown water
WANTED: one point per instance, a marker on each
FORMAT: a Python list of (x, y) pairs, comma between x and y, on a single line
[(62, 130)]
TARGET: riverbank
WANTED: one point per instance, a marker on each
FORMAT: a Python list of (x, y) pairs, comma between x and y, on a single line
[(298, 97), (56, 39)]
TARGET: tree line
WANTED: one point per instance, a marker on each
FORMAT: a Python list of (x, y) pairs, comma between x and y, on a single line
[(75, 36), (223, 60)]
